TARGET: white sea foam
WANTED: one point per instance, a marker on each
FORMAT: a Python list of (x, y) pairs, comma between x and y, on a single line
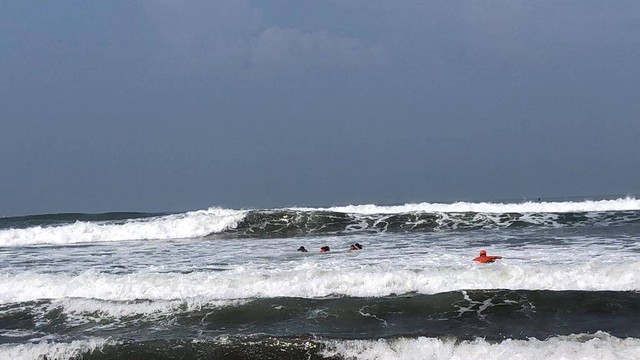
[(176, 226), (311, 280), (103, 309), (51, 350), (598, 346), (622, 204)]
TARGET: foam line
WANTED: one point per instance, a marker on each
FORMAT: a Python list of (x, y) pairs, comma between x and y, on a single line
[(317, 280), (51, 350), (598, 346)]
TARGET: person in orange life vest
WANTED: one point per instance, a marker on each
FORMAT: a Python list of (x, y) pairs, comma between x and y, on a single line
[(483, 258)]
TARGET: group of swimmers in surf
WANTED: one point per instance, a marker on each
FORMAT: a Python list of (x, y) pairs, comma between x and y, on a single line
[(325, 248), (481, 258)]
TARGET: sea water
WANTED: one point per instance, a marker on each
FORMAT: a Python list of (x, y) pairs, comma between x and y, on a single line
[(229, 284)]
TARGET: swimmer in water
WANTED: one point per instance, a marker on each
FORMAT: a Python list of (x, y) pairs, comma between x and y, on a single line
[(355, 246), (302, 249), (483, 258), (325, 249)]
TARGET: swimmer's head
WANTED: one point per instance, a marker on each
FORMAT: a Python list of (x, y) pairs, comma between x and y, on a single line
[(483, 253)]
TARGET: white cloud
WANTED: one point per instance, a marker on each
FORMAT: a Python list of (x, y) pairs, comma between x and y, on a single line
[(227, 38), (279, 49)]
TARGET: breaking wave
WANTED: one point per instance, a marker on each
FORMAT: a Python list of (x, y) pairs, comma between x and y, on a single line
[(214, 222), (318, 280)]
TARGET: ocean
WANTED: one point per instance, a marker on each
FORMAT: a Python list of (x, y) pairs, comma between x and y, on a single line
[(229, 284)]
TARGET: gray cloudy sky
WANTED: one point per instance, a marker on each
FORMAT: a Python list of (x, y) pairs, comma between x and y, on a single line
[(171, 105)]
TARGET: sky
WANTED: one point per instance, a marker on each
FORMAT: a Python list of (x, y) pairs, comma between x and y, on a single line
[(173, 105)]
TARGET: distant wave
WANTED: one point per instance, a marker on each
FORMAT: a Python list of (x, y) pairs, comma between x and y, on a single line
[(289, 223), (423, 217), (144, 226), (621, 204), (22, 222)]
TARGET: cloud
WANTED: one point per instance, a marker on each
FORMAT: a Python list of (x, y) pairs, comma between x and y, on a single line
[(227, 38), (283, 49)]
